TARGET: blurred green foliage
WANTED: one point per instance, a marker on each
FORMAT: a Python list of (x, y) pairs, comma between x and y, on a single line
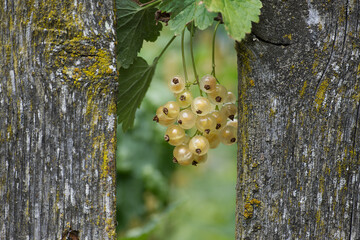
[(157, 199)]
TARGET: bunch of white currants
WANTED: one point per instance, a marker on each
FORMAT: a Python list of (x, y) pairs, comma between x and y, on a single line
[(214, 118)]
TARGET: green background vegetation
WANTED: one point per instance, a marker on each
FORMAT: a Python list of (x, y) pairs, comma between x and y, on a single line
[(157, 199)]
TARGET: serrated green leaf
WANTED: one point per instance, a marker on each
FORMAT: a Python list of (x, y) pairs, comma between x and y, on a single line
[(237, 15), (183, 12), (175, 6), (134, 25), (133, 84), (203, 18)]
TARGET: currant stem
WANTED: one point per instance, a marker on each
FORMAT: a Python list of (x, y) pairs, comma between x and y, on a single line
[(213, 51), (196, 133), (183, 55), (162, 52), (192, 57)]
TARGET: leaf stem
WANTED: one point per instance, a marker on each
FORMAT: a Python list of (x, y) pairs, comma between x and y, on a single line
[(213, 51), (149, 4), (192, 57), (162, 52), (183, 55)]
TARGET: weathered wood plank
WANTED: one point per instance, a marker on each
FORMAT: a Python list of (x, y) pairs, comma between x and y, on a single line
[(299, 135), (57, 119)]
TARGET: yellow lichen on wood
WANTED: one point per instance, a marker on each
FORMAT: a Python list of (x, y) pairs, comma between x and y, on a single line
[(272, 113), (315, 64), (302, 91), (9, 131), (288, 36), (110, 227), (101, 66), (320, 94), (322, 184), (105, 163), (249, 207), (255, 202), (248, 210)]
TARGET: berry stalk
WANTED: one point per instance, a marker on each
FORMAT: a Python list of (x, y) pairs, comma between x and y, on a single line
[(183, 55), (213, 51), (163, 51), (192, 57)]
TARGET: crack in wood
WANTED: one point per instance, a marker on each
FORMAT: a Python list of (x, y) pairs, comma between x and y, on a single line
[(271, 42), (346, 25)]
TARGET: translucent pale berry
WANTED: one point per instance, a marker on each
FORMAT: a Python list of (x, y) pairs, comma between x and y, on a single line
[(206, 123), (186, 119), (220, 119), (229, 110), (176, 84), (163, 119), (183, 155), (184, 98), (218, 95), (233, 123), (228, 135), (201, 106), (199, 145), (174, 135), (171, 109), (230, 98), (199, 159), (214, 139), (208, 83)]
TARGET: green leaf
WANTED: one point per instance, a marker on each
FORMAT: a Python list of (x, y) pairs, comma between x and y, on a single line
[(237, 15), (183, 12), (133, 84), (203, 18), (134, 25)]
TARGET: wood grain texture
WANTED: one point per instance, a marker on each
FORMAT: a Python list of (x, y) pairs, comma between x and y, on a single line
[(57, 119), (299, 122)]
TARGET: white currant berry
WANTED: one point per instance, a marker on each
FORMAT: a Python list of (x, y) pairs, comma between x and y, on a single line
[(199, 145), (229, 110), (183, 155), (171, 109), (208, 83), (174, 135), (176, 84), (220, 119), (217, 96), (214, 139), (228, 135), (230, 98), (199, 159), (206, 124), (184, 98), (233, 123), (201, 106), (186, 119), (163, 119)]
